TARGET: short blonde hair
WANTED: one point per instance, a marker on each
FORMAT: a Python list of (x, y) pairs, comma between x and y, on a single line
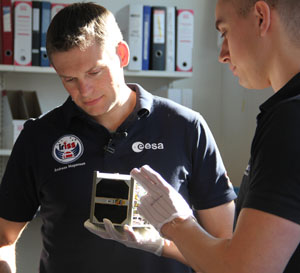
[(80, 25)]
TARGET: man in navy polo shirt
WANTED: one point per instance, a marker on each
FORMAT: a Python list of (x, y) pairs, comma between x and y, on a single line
[(109, 126)]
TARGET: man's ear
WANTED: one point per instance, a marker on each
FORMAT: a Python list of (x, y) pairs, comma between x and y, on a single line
[(123, 53), (263, 13)]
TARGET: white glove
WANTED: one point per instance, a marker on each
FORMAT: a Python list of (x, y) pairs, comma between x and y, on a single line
[(146, 239), (162, 203)]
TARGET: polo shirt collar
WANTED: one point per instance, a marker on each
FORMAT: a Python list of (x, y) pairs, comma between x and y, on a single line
[(289, 90), (144, 102)]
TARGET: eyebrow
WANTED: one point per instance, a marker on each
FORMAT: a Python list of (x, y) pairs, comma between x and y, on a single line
[(89, 70), (64, 76)]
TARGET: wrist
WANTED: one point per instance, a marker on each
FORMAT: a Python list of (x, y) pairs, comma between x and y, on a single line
[(177, 225)]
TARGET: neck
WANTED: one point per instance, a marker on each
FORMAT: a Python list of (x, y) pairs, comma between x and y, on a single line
[(123, 108), (287, 69), (285, 61)]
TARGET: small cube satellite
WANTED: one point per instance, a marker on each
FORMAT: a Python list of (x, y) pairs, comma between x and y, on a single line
[(116, 197)]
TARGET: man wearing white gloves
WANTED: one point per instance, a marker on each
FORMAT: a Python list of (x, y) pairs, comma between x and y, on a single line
[(262, 47)]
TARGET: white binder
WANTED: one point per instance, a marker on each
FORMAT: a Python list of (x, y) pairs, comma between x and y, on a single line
[(130, 20), (185, 40), (171, 39), (23, 33)]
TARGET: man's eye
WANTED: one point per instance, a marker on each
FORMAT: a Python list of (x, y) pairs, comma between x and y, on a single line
[(94, 72), (69, 79)]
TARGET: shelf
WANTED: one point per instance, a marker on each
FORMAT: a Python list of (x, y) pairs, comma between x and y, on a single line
[(158, 74), (29, 69), (5, 152), (145, 74)]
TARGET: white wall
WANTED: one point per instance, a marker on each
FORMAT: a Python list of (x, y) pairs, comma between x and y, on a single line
[(229, 109)]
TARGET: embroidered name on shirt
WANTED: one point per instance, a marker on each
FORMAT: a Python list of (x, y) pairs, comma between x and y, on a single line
[(69, 166)]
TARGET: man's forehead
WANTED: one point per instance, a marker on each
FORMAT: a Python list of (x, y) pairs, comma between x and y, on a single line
[(220, 13), (225, 9)]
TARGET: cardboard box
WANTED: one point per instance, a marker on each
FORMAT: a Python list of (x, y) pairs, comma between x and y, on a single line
[(18, 106), (116, 197)]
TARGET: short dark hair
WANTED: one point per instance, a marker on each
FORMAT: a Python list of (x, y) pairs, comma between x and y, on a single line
[(288, 10), (80, 25), (244, 6)]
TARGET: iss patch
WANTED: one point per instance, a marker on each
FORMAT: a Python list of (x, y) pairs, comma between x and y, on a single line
[(67, 149)]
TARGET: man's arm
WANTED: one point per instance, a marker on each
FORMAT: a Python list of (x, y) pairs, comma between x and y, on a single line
[(262, 243), (218, 221), (9, 233)]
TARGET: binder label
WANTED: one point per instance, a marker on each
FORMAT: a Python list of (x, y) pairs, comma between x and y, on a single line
[(7, 19), (159, 26), (36, 20)]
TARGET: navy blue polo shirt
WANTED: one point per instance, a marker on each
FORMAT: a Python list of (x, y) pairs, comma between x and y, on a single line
[(272, 180), (52, 166)]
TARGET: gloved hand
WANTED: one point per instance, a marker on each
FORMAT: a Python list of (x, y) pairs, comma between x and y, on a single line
[(162, 203), (146, 239)]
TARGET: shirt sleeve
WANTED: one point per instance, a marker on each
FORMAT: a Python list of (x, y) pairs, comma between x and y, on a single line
[(18, 194), (209, 185), (275, 172)]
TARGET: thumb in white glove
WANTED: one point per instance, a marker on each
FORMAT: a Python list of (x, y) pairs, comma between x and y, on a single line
[(146, 239), (162, 203)]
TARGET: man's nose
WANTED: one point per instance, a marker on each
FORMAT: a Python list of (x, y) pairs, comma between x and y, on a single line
[(224, 55), (84, 87)]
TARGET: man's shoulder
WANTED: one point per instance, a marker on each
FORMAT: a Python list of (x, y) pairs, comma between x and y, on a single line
[(161, 103), (164, 105), (51, 118), (288, 109)]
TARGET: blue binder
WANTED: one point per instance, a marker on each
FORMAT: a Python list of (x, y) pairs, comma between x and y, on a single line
[(45, 18), (146, 37)]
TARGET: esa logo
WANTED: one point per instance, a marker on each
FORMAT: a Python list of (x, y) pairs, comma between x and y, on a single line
[(140, 146), (67, 149)]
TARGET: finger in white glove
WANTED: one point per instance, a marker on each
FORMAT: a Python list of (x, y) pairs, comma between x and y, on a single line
[(162, 203), (97, 230), (147, 239)]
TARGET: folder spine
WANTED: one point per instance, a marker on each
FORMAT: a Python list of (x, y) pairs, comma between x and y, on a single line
[(6, 32), (22, 33), (158, 39), (36, 36), (171, 39), (185, 33), (1, 34), (130, 20), (135, 36), (146, 37), (45, 17)]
